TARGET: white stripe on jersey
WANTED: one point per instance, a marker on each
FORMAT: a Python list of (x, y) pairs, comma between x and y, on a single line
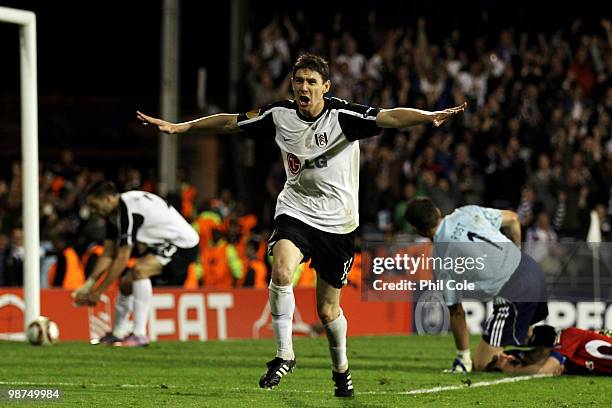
[(256, 118), (130, 227), (357, 114)]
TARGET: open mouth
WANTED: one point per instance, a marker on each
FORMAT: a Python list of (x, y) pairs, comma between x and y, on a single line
[(304, 100)]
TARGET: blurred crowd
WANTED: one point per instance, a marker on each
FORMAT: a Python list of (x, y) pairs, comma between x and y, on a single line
[(536, 138)]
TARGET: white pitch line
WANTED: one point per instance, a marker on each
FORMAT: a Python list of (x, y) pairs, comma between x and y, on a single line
[(61, 384), (476, 384), (411, 392)]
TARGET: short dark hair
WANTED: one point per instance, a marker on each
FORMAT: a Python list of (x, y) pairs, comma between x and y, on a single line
[(543, 335), (101, 188), (421, 214), (313, 63)]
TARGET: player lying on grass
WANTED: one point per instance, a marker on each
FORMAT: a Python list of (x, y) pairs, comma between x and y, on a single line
[(317, 210), (512, 279), (569, 351), (136, 218)]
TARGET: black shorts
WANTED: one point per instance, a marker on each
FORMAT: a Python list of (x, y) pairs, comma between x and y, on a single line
[(331, 254), (520, 304), (174, 270)]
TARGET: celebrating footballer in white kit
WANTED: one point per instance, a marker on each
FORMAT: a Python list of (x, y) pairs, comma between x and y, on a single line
[(317, 211)]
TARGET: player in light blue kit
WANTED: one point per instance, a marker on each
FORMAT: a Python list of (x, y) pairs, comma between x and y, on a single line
[(481, 254)]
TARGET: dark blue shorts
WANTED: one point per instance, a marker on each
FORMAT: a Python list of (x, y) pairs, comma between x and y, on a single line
[(520, 304)]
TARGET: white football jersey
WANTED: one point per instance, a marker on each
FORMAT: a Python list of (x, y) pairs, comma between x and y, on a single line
[(321, 158), (148, 219)]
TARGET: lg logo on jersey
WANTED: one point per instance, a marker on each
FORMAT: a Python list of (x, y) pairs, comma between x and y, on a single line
[(295, 165)]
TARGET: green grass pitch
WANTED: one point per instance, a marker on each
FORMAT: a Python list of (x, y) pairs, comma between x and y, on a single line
[(225, 374)]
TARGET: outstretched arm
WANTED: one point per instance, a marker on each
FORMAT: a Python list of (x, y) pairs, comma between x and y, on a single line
[(405, 117), (213, 124), (551, 365)]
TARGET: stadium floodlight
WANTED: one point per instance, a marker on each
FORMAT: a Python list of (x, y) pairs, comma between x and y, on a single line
[(29, 150)]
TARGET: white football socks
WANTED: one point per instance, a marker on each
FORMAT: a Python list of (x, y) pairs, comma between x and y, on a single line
[(336, 336), (282, 305), (123, 306), (143, 293)]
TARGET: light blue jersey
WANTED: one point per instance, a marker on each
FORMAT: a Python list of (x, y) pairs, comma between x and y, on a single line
[(472, 248)]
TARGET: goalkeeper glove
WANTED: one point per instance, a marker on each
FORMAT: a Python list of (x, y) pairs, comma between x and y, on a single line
[(462, 363)]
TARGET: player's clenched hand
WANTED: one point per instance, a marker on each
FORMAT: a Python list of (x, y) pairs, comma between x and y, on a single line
[(83, 300), (164, 126), (559, 370), (441, 116), (79, 293), (87, 299), (93, 298)]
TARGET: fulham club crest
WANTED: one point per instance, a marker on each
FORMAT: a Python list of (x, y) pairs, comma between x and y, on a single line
[(321, 139)]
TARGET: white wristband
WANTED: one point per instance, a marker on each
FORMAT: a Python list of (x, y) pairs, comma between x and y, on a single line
[(464, 354)]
